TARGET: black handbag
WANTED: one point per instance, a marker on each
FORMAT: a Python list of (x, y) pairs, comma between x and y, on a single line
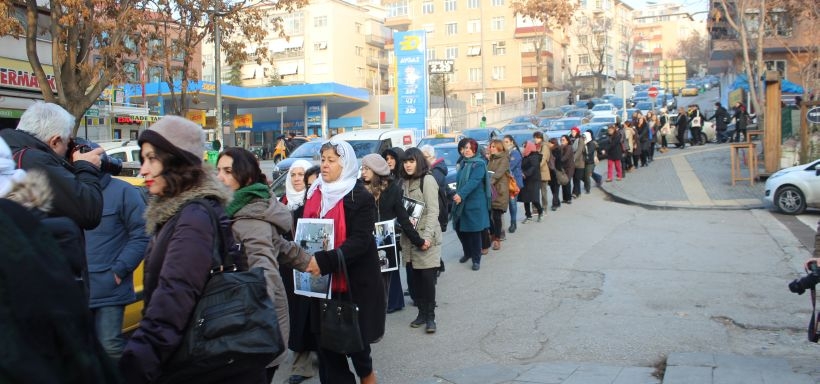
[(339, 321), (234, 326)]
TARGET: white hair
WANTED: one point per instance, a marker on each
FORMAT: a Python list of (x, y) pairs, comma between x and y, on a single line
[(428, 150), (46, 120)]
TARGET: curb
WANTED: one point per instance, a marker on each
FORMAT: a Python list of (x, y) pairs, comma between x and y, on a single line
[(674, 207)]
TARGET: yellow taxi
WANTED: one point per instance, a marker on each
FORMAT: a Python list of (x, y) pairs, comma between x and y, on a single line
[(441, 138), (690, 90), (133, 311)]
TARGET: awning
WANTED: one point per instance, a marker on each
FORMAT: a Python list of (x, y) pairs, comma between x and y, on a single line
[(278, 46), (288, 69), (785, 85), (296, 42)]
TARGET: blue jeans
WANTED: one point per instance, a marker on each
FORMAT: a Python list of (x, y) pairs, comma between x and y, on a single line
[(108, 325), (513, 210)]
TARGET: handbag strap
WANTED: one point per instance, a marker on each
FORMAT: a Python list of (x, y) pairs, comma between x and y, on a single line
[(219, 248), (341, 260), (813, 337)]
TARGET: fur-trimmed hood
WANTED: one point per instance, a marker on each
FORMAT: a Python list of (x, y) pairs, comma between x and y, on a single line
[(33, 192), (161, 209)]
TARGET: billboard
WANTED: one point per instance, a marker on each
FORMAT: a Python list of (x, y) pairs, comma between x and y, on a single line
[(411, 68)]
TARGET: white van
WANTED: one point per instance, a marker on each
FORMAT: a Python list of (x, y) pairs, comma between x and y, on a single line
[(367, 141)]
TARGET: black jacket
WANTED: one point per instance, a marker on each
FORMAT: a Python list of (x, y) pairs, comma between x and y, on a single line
[(721, 118), (391, 206), (615, 151), (531, 168), (77, 192)]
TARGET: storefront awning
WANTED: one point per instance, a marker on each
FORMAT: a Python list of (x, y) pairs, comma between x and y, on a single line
[(288, 69)]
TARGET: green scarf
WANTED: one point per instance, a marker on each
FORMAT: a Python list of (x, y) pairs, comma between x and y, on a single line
[(244, 195)]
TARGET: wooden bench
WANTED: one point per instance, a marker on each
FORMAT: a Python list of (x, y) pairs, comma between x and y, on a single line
[(743, 153), (753, 134)]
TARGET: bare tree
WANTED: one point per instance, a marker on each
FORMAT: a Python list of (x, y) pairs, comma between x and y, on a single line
[(695, 50), (804, 51), (548, 14), (593, 43), (744, 16)]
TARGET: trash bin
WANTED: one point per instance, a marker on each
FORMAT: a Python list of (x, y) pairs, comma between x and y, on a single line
[(212, 156)]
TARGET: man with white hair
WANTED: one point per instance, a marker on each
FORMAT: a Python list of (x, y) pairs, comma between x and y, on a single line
[(41, 141)]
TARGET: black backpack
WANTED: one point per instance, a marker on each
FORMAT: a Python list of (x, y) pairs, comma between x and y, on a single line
[(443, 203)]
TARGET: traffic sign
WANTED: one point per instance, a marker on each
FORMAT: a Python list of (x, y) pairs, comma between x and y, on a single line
[(653, 92), (92, 112), (813, 116)]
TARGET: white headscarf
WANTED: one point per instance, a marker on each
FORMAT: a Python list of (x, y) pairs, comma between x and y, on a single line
[(334, 191), (8, 174), (587, 137), (295, 199)]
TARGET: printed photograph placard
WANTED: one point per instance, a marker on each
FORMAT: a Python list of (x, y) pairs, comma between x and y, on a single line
[(313, 235), (414, 209), (385, 234)]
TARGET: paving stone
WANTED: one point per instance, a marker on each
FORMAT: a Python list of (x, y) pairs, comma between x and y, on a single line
[(693, 359), (687, 375), (594, 374), (636, 375), (483, 374), (548, 373)]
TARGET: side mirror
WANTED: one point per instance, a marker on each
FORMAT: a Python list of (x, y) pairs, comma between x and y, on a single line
[(817, 172)]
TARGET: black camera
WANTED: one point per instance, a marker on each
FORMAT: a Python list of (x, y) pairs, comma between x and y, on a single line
[(799, 286), (107, 164)]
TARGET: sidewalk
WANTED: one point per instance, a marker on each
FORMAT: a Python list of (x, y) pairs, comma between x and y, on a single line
[(695, 178)]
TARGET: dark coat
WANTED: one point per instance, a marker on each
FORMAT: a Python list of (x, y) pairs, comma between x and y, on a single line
[(175, 276), (614, 151), (567, 160), (390, 206), (77, 191), (362, 261), (117, 245), (531, 170), (721, 118), (683, 124)]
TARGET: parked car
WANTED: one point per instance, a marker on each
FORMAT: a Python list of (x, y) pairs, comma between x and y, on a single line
[(449, 152), (551, 112), (525, 119), (707, 134), (604, 109), (521, 136), (308, 151), (566, 123), (690, 90), (441, 138), (127, 153), (482, 135), (281, 151), (792, 190), (644, 107), (518, 126), (611, 119), (580, 113)]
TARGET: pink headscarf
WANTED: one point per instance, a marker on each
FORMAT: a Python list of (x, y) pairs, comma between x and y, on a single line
[(529, 147)]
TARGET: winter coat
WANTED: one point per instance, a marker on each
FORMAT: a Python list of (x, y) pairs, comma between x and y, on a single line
[(530, 167), (682, 124), (362, 261), (614, 151), (741, 118), (631, 140), (472, 215), (567, 160), (500, 165), (642, 131), (692, 114), (258, 226), (546, 156), (515, 166), (721, 118), (428, 227), (117, 245), (590, 150), (578, 152), (175, 277), (77, 192)]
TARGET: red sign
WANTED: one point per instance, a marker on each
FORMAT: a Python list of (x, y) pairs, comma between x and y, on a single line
[(653, 92)]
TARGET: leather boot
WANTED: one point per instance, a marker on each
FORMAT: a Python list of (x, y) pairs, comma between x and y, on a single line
[(421, 319), (431, 317)]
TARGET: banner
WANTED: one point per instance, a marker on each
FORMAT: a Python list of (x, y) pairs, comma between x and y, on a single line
[(243, 121), (195, 115), (411, 68), (18, 74)]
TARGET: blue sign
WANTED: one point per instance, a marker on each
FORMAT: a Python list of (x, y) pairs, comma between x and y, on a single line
[(313, 118), (410, 49)]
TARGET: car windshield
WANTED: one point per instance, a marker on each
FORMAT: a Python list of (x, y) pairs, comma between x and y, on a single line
[(449, 154), (307, 150), (558, 125), (435, 141), (551, 112), (364, 147), (602, 107)]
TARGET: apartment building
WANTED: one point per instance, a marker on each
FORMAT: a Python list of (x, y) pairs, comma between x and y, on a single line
[(657, 30), (599, 46), (345, 45), (493, 53)]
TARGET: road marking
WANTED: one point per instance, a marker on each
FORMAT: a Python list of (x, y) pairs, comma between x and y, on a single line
[(691, 183)]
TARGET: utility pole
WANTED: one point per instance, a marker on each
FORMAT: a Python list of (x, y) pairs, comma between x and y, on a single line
[(483, 61), (218, 79)]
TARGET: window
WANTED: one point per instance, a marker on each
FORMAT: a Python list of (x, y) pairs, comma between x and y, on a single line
[(472, 4), (474, 26), (452, 28), (155, 74), (320, 21), (476, 99), (320, 45), (179, 51), (777, 65), (358, 27), (497, 3), (431, 53), (359, 50), (475, 75), (451, 53), (498, 73), (132, 73), (292, 23), (529, 94), (474, 50), (360, 72), (129, 43), (497, 23), (155, 46), (583, 59), (500, 48), (398, 8), (499, 97), (427, 7), (780, 24), (449, 5)]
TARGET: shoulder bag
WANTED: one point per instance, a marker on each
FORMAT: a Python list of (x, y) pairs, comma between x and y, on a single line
[(562, 177), (339, 321), (234, 325), (513, 185)]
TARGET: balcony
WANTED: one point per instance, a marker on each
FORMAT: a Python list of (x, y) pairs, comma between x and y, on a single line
[(377, 41), (376, 62), (400, 23)]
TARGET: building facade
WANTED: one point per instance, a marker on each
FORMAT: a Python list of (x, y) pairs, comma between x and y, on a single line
[(657, 31)]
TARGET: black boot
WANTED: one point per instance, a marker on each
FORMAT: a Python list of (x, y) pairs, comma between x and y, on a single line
[(431, 317), (421, 319)]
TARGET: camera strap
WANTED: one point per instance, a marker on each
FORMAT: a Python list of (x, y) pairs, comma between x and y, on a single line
[(813, 336), (19, 157)]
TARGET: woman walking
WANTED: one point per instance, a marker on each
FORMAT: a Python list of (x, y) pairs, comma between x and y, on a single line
[(470, 215), (338, 195), (425, 257), (578, 153), (530, 192), (567, 160), (258, 222), (499, 166), (554, 166), (515, 170)]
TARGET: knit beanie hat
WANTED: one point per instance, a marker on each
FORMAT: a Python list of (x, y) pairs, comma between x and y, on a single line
[(376, 163), (178, 136), (9, 175)]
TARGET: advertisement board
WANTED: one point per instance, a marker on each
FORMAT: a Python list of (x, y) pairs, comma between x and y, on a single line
[(411, 68)]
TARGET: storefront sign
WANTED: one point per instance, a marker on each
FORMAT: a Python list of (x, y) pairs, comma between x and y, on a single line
[(412, 79), (11, 113), (243, 121), (197, 116), (313, 117), (19, 75)]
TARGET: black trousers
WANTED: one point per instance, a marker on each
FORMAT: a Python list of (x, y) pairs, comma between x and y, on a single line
[(496, 222), (682, 138), (696, 139), (471, 244), (556, 201), (577, 177), (425, 284), (538, 208), (333, 367)]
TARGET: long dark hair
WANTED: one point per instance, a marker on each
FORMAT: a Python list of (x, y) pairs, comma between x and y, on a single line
[(421, 163), (378, 184), (245, 167), (180, 174)]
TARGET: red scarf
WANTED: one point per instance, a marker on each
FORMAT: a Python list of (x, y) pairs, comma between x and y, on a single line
[(337, 214)]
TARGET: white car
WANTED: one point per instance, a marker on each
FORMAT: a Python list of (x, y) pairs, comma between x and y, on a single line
[(791, 190), (604, 110), (128, 153)]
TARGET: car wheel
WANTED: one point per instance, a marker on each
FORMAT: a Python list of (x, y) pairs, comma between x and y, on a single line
[(790, 200)]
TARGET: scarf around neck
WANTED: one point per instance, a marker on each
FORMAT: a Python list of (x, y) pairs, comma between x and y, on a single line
[(244, 195)]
